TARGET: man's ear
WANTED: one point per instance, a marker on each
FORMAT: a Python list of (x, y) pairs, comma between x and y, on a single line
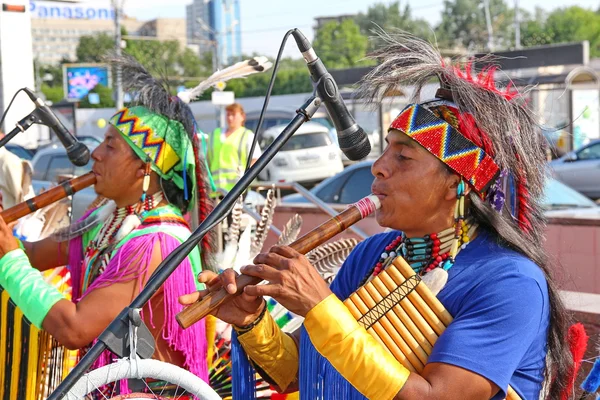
[(452, 187), (139, 173)]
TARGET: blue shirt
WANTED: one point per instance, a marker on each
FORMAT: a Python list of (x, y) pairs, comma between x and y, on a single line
[(499, 301)]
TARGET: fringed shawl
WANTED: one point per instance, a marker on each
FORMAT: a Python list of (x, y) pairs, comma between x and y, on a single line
[(138, 245)]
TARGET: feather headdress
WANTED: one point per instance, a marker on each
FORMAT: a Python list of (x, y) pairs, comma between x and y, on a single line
[(238, 70), (497, 120), (493, 118), (153, 94)]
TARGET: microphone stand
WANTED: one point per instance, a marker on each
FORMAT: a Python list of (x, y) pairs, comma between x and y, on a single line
[(22, 126), (117, 331)]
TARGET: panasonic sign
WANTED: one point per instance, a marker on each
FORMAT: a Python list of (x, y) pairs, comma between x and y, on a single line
[(60, 10)]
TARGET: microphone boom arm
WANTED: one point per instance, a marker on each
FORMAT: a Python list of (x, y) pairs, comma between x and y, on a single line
[(172, 261)]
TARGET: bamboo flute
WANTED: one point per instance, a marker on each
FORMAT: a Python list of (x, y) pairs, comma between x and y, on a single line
[(50, 196), (312, 239)]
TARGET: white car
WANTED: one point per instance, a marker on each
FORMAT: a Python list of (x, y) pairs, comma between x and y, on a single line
[(308, 156)]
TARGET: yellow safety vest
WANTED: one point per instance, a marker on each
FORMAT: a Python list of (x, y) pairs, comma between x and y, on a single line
[(227, 160)]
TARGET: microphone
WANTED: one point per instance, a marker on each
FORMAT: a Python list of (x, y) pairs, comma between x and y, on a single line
[(77, 152), (352, 138)]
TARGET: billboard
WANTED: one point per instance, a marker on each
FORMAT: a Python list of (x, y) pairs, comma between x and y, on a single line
[(80, 79), (96, 10), (586, 116)]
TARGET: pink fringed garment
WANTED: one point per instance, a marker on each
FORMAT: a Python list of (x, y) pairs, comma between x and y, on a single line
[(190, 342)]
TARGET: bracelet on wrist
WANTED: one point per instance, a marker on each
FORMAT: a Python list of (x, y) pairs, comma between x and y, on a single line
[(247, 328)]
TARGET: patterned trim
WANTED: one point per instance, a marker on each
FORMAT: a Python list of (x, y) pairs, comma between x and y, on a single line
[(144, 137), (388, 302), (449, 145)]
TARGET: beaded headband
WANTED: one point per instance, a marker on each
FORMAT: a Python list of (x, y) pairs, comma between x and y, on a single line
[(162, 141), (451, 147)]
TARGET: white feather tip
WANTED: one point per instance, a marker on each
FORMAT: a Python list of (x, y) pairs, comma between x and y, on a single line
[(185, 97)]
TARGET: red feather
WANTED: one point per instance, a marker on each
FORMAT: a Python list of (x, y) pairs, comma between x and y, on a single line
[(484, 79), (578, 341)]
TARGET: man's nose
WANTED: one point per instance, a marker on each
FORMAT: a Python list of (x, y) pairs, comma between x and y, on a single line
[(96, 154)]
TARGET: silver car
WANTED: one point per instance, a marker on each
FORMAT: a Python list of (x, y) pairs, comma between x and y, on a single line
[(50, 165), (580, 169)]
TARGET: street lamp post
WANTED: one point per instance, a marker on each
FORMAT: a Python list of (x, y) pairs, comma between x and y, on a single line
[(117, 7)]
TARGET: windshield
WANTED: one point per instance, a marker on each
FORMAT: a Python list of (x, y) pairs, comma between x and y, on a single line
[(323, 121), (301, 141), (559, 195)]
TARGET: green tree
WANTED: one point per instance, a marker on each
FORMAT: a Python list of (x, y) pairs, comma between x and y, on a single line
[(53, 93), (341, 45), (463, 24), (392, 17), (91, 49), (572, 24), (106, 98)]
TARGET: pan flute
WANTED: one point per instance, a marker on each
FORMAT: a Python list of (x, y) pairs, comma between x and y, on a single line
[(398, 310)]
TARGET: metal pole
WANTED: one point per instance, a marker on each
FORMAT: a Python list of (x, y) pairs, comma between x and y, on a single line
[(517, 26), (488, 22), (118, 78)]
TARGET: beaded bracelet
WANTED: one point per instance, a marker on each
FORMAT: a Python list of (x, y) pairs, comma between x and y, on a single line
[(247, 328)]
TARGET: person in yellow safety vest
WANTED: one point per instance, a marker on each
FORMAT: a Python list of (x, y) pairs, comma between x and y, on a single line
[(228, 151)]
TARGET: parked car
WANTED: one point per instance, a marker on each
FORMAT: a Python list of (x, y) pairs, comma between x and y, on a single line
[(580, 169), (20, 151), (308, 156), (282, 117), (51, 164), (354, 183), (89, 141)]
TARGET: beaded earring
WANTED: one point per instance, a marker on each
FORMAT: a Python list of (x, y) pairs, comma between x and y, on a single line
[(146, 182), (459, 218)]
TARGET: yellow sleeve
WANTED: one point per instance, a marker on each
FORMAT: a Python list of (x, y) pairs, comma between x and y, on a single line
[(353, 352)]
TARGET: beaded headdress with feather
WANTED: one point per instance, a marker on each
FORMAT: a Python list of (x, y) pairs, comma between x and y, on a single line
[(471, 115)]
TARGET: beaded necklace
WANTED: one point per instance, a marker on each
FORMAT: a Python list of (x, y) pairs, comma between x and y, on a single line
[(97, 254), (424, 254)]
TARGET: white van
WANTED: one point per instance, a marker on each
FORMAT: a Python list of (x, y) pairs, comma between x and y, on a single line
[(308, 156)]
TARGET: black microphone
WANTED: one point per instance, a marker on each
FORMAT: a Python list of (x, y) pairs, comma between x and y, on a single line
[(352, 138), (77, 152)]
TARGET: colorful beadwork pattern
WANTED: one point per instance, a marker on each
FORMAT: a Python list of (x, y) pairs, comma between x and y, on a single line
[(449, 145), (143, 136)]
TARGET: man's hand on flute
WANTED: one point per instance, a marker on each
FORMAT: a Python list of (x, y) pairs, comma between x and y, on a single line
[(241, 310), (291, 279)]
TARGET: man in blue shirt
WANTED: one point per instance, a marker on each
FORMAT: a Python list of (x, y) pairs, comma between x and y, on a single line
[(460, 184)]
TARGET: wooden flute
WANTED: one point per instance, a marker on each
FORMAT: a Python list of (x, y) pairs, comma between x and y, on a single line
[(306, 243), (50, 196)]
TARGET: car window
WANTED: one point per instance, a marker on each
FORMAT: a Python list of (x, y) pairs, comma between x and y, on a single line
[(323, 121), (59, 165), (590, 153), (19, 152), (559, 195), (307, 141), (357, 186), (329, 191), (40, 167)]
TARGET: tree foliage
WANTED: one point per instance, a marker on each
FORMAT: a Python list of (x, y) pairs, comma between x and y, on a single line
[(572, 24), (341, 44), (92, 48), (463, 25), (392, 17), (345, 44)]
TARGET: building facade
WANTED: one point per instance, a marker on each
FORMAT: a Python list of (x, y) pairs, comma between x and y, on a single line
[(216, 24), (57, 26)]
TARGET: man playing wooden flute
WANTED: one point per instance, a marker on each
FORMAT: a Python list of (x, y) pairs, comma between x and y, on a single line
[(460, 184), (149, 167)]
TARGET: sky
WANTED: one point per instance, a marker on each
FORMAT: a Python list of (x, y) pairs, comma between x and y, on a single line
[(264, 22)]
